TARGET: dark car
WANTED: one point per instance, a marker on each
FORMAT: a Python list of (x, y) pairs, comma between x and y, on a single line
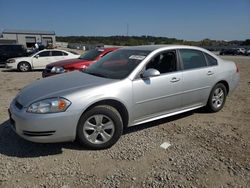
[(229, 52), (80, 63), (8, 51)]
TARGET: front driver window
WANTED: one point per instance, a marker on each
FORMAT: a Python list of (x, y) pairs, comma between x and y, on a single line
[(44, 54), (164, 62)]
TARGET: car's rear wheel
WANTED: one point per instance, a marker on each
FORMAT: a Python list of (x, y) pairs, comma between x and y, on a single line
[(100, 127), (24, 67), (217, 98)]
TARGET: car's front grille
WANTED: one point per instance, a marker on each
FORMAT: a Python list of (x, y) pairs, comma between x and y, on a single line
[(38, 133), (18, 105)]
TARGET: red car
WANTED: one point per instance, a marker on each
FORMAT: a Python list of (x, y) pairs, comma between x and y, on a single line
[(81, 63)]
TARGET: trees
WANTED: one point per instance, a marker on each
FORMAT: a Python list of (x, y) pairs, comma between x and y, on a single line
[(145, 40), (246, 42), (119, 40)]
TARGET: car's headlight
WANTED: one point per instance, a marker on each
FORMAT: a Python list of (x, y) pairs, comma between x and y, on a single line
[(11, 60), (57, 70), (51, 105)]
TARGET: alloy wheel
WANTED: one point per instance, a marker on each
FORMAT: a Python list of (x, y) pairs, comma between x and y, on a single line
[(98, 129), (218, 98), (24, 67)]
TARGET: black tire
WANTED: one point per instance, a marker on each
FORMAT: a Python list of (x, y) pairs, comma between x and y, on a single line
[(216, 103), (108, 114), (24, 66)]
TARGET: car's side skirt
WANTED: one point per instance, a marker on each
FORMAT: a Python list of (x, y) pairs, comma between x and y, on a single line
[(166, 115)]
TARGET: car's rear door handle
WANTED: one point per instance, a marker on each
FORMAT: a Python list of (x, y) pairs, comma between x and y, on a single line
[(174, 79), (210, 73)]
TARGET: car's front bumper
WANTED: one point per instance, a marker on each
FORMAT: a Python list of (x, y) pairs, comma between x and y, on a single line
[(10, 66), (43, 128)]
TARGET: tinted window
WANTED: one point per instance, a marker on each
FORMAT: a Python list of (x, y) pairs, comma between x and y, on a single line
[(7, 48), (44, 54), (211, 60), (106, 53), (90, 55), (19, 49), (2, 48), (164, 62), (65, 54), (57, 53), (192, 59)]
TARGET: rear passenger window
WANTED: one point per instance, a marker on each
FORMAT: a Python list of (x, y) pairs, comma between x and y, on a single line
[(192, 59), (57, 53), (211, 60)]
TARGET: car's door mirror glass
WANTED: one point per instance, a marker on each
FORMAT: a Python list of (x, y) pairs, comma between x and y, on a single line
[(150, 73)]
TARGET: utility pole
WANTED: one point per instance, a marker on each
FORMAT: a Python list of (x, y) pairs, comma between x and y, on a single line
[(127, 29)]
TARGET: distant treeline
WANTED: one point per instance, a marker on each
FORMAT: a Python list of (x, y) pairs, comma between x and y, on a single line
[(144, 40)]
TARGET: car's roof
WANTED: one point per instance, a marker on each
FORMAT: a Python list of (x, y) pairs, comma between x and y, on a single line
[(152, 48), (155, 47), (52, 50), (55, 50)]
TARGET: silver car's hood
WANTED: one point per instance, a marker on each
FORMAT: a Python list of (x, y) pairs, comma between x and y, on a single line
[(59, 85)]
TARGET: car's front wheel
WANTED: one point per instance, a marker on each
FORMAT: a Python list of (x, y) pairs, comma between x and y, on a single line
[(217, 98), (24, 67), (100, 127)]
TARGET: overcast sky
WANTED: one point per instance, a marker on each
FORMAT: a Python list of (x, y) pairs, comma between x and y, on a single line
[(188, 20)]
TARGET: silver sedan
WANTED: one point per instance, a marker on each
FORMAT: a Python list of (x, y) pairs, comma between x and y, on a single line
[(128, 87)]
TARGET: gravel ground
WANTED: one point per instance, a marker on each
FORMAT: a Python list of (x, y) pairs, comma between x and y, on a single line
[(207, 150)]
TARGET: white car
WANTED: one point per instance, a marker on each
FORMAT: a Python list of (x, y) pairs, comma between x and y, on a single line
[(39, 60), (248, 52), (241, 51)]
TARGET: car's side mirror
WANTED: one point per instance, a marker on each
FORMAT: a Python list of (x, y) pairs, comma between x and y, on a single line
[(150, 73), (36, 56)]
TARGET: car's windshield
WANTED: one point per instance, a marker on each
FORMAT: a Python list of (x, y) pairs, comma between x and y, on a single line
[(32, 53), (75, 53), (90, 55), (118, 64)]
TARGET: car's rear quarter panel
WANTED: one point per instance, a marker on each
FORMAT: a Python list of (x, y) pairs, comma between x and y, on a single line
[(227, 71)]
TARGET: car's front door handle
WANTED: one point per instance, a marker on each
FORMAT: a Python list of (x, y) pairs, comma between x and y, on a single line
[(210, 73), (174, 79)]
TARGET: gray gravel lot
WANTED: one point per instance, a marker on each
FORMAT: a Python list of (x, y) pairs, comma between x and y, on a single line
[(207, 150)]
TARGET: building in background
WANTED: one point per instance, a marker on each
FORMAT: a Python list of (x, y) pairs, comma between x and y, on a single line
[(28, 38)]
